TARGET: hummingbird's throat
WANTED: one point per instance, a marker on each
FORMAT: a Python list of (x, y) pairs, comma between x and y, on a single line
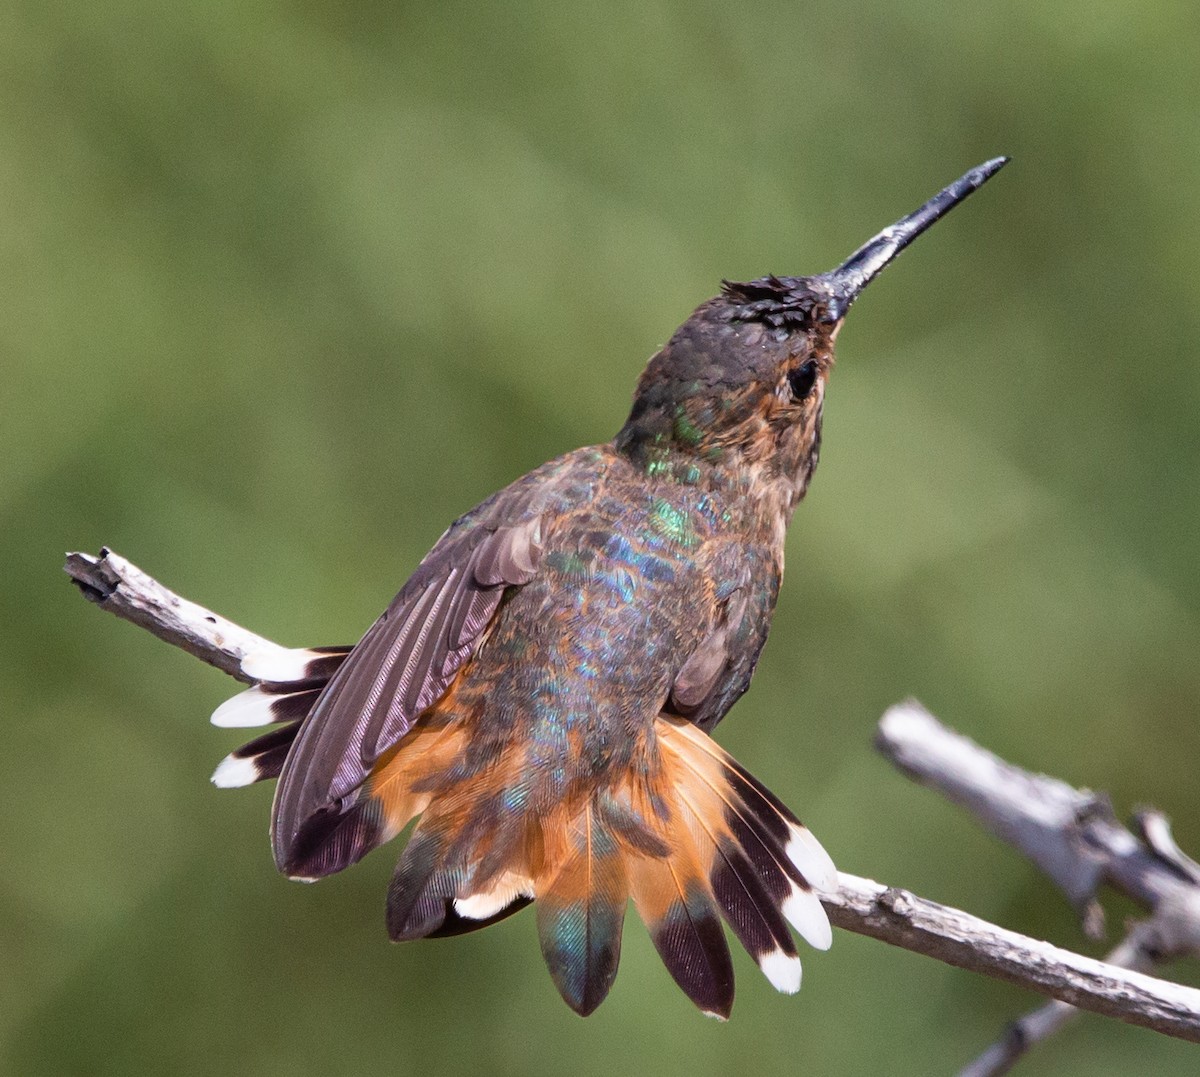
[(763, 471)]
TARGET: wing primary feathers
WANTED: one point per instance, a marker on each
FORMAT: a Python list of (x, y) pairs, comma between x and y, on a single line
[(471, 613), (331, 840), (387, 701), (416, 684), (408, 658)]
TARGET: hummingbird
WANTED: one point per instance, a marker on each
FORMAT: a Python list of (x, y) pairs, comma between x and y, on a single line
[(540, 695)]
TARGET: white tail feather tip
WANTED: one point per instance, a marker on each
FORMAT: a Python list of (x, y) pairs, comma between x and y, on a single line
[(804, 911), (245, 710), (232, 773), (478, 906), (811, 859), (279, 665), (783, 970), (486, 903)]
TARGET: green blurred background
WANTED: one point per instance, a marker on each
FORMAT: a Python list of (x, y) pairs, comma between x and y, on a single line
[(287, 286)]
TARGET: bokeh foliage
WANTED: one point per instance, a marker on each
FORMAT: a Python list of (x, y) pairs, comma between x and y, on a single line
[(287, 286)]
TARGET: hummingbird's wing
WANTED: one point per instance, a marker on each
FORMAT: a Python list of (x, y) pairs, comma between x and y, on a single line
[(745, 579), (700, 675), (410, 655)]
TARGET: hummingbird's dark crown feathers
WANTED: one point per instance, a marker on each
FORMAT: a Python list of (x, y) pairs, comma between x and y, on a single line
[(780, 302)]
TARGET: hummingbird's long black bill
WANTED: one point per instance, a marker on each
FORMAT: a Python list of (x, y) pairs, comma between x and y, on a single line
[(865, 264)]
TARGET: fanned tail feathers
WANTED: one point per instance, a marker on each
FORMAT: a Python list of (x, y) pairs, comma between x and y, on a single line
[(694, 840), (690, 836), (737, 853), (675, 901)]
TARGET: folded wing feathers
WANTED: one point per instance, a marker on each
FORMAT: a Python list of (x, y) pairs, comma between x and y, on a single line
[(438, 627), (510, 555)]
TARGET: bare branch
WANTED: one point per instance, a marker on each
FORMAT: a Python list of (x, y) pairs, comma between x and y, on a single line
[(1037, 814), (866, 907), (122, 588), (1074, 837), (1071, 834), (963, 940), (1040, 1024)]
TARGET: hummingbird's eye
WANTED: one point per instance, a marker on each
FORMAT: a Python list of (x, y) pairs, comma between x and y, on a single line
[(802, 380)]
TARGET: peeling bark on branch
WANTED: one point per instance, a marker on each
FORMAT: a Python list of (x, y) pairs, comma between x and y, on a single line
[(1043, 817)]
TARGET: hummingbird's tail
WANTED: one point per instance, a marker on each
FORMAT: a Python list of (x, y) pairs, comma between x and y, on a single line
[(688, 834), (734, 848), (691, 838), (283, 703)]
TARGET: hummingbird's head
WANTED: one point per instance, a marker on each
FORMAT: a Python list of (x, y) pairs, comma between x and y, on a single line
[(742, 382)]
